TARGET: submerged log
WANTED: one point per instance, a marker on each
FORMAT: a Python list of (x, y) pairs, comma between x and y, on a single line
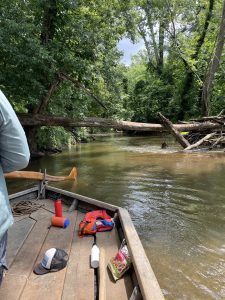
[(215, 143), (180, 139), (38, 120), (208, 136)]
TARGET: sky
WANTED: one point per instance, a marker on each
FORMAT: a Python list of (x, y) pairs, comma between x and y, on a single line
[(129, 49)]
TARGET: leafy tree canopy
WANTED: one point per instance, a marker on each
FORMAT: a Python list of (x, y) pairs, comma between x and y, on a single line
[(61, 57)]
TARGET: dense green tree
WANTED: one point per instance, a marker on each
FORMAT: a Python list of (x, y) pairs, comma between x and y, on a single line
[(61, 58), (213, 65), (179, 38)]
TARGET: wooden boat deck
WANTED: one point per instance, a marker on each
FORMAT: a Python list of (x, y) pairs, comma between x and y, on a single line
[(32, 235)]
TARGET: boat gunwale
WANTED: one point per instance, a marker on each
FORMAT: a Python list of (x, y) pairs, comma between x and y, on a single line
[(24, 192), (147, 280), (89, 200)]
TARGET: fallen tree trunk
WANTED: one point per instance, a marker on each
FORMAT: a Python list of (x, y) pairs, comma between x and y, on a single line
[(221, 138), (169, 125), (213, 119), (208, 136), (38, 120)]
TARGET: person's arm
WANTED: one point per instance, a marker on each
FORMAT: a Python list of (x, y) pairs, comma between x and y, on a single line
[(14, 150)]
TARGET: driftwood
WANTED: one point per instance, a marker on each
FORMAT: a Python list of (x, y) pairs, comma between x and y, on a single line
[(222, 111), (221, 138), (214, 119), (195, 137), (183, 142), (208, 136)]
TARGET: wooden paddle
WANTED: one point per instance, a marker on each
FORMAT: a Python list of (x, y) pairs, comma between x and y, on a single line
[(40, 176)]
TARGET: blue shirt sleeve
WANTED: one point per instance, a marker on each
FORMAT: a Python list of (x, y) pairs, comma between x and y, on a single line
[(14, 150)]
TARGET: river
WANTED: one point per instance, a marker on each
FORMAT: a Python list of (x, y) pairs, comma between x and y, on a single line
[(176, 201)]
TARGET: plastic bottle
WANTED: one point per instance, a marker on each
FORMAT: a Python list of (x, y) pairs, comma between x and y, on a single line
[(58, 208), (95, 256)]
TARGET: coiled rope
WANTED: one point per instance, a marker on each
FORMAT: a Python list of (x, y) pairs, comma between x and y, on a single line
[(25, 208)]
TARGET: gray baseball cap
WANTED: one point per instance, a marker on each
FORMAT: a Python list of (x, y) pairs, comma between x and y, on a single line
[(54, 260)]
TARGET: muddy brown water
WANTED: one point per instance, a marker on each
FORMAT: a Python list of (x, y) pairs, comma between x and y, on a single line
[(176, 201)]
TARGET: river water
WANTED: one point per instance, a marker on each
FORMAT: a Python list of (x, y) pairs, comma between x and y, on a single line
[(176, 201)]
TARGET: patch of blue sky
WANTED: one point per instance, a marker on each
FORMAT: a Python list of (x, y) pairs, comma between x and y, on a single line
[(129, 49)]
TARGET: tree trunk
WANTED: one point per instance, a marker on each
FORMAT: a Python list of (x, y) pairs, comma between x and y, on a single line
[(46, 36), (31, 132), (40, 108), (189, 79), (147, 46), (161, 45), (148, 13), (49, 19), (201, 39), (36, 120), (180, 139), (213, 66)]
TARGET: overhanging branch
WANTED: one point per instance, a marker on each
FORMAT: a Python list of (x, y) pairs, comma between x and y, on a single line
[(81, 86)]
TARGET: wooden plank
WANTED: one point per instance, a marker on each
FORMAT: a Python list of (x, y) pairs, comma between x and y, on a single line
[(122, 289), (79, 282), (41, 214), (102, 275), (148, 283), (12, 286), (49, 286), (17, 276), (19, 218), (17, 234)]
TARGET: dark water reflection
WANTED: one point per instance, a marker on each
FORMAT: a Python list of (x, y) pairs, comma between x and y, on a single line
[(176, 201)]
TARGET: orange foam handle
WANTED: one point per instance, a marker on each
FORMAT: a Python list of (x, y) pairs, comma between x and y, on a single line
[(60, 222)]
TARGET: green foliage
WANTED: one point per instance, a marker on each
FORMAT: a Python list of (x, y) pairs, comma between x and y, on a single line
[(173, 85), (49, 137), (149, 98), (78, 39), (40, 40)]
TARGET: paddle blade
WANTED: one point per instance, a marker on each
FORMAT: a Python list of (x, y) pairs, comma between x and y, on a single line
[(73, 174)]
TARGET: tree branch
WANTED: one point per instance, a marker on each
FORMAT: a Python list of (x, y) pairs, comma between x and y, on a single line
[(43, 103), (81, 86)]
